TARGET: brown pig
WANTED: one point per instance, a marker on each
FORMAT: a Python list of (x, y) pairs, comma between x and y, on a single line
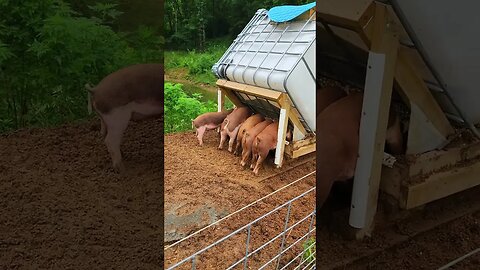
[(326, 96), (249, 137), (134, 92), (337, 142), (263, 143), (248, 124), (208, 121), (231, 125)]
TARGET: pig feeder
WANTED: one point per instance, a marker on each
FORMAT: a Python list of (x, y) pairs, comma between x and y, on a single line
[(418, 48), (270, 67)]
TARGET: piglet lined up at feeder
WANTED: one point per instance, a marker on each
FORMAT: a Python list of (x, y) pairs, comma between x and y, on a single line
[(208, 121), (247, 125), (231, 125), (338, 140), (248, 139), (134, 92), (263, 143)]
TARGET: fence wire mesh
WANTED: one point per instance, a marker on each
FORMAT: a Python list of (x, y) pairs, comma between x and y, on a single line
[(264, 243)]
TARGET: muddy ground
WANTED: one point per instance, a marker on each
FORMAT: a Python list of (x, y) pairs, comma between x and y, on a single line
[(62, 206), (203, 184)]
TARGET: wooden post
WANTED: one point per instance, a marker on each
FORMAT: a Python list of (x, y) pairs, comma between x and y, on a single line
[(376, 103), (221, 100), (282, 129)]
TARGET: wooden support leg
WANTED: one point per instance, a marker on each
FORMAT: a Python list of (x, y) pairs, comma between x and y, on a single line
[(282, 131), (376, 103), (221, 100)]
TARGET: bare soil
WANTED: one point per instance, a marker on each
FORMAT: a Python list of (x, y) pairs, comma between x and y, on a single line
[(62, 206), (425, 238), (198, 179)]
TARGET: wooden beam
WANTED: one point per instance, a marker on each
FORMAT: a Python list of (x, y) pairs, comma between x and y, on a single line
[(440, 185), (433, 161), (250, 89), (304, 150), (282, 129), (345, 13), (373, 126), (293, 116), (221, 100), (416, 90)]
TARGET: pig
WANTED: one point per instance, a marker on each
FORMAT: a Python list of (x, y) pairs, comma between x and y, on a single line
[(263, 143), (337, 142), (231, 125), (134, 92), (248, 124), (208, 121), (326, 96), (249, 137)]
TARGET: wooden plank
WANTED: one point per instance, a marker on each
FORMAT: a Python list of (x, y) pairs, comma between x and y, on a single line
[(249, 89), (436, 160), (344, 13), (413, 86), (376, 103), (441, 185), (293, 116), (304, 150), (282, 129), (221, 100)]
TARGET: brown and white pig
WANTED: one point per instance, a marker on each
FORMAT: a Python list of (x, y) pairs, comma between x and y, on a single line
[(208, 121), (248, 124), (249, 138), (326, 96), (134, 92), (231, 125), (338, 139)]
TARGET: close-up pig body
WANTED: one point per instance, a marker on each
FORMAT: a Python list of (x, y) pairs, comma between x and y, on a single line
[(338, 141), (134, 92)]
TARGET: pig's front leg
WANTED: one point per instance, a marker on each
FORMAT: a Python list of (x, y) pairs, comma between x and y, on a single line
[(223, 138)]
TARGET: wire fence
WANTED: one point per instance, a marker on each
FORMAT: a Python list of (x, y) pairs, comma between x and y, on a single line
[(260, 245)]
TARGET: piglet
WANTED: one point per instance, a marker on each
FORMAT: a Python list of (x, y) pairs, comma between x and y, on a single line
[(208, 121), (231, 125), (134, 92), (247, 125)]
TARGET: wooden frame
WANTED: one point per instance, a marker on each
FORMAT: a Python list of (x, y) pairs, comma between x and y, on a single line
[(298, 147), (373, 23)]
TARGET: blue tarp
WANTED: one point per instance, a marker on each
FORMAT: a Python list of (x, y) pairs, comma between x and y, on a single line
[(288, 13)]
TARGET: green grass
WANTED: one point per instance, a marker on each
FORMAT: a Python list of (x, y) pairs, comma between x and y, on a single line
[(198, 64)]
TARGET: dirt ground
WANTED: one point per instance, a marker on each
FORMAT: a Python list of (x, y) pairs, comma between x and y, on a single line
[(414, 241), (62, 206), (203, 184)]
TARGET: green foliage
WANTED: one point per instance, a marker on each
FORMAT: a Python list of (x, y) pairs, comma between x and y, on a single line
[(181, 109), (48, 52), (309, 250), (199, 64), (189, 22)]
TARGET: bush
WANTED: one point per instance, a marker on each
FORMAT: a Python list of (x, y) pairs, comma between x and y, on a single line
[(47, 54), (181, 109)]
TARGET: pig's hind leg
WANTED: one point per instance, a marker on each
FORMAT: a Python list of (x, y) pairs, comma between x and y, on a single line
[(200, 132), (233, 136), (116, 124)]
